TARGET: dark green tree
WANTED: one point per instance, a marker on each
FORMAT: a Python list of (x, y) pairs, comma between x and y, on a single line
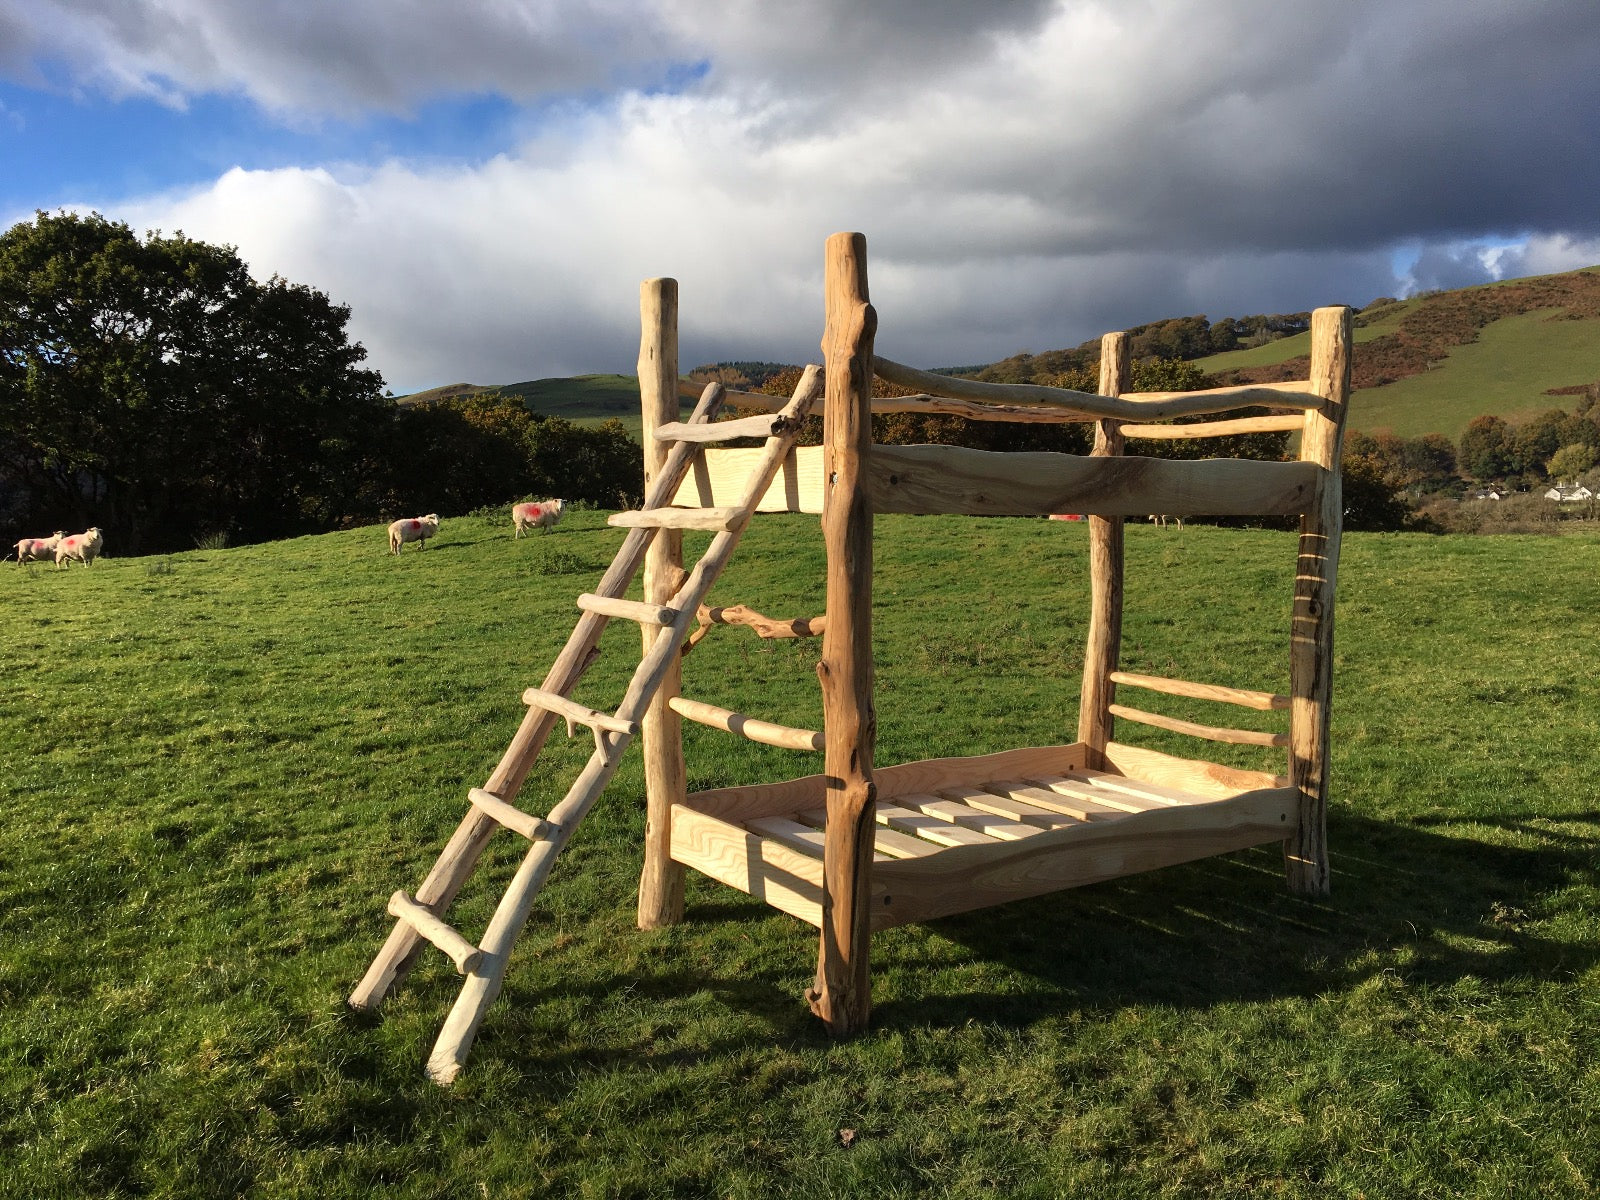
[(1486, 451), (152, 387)]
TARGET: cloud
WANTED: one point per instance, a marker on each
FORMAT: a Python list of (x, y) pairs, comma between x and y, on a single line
[(1029, 174)]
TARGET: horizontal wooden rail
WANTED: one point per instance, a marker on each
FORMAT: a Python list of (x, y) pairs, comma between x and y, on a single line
[(1237, 737), (1286, 423), (760, 426), (463, 953), (717, 520), (1263, 701), (955, 479), (535, 829), (766, 732), (632, 610), (1153, 406)]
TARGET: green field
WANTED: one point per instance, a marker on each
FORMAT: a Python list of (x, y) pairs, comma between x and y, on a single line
[(220, 765)]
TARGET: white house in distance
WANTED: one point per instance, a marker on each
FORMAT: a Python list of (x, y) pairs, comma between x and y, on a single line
[(1564, 493)]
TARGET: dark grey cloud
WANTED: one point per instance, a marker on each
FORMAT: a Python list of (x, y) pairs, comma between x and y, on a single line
[(1028, 173)]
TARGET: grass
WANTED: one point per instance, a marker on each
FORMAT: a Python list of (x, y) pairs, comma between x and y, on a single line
[(220, 764)]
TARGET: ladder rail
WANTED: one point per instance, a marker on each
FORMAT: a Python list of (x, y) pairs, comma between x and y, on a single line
[(460, 855), (484, 982)]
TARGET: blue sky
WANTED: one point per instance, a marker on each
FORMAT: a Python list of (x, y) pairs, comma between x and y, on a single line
[(484, 183)]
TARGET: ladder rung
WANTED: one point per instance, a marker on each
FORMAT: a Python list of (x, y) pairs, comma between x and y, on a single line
[(765, 732), (633, 610), (761, 425), (573, 711), (719, 520), (421, 918), (535, 829)]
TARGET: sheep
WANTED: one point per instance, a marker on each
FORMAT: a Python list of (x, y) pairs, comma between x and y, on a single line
[(413, 529), (85, 547), (33, 549), (1161, 519), (542, 515)]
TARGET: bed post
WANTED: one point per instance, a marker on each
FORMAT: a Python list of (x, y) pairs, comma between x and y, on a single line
[(1311, 634), (842, 995), (661, 884), (1105, 574)]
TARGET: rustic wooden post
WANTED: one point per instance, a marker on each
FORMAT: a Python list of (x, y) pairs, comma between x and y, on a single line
[(661, 730), (1311, 633), (841, 995), (1104, 643)]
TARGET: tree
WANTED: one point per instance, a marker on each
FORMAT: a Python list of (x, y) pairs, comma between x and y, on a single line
[(153, 388), (1570, 462), (1485, 449)]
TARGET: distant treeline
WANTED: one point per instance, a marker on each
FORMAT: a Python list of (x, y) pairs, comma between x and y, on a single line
[(153, 388)]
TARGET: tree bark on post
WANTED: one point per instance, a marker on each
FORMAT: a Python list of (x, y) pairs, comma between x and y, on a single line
[(841, 995), (661, 730), (1104, 644), (1311, 631)]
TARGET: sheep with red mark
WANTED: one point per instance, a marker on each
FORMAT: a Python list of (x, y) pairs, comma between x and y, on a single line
[(37, 549), (541, 515), (84, 547), (412, 529)]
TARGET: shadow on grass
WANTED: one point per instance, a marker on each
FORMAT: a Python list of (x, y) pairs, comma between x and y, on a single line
[(1437, 908), (1431, 907)]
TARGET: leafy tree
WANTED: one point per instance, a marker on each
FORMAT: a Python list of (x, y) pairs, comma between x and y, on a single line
[(1570, 462), (153, 388), (1486, 451), (1535, 440)]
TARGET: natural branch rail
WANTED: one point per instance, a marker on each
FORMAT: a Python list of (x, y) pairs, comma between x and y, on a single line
[(1264, 701), (1237, 737)]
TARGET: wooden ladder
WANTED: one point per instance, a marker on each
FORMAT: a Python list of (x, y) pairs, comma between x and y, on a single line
[(419, 918)]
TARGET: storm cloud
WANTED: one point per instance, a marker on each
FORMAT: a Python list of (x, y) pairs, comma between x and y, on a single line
[(1028, 174)]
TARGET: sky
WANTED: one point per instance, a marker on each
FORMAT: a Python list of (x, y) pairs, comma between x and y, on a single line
[(485, 182)]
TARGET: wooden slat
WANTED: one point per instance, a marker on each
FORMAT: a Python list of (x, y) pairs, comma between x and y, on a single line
[(1194, 777), (1211, 733), (632, 610), (1003, 806), (573, 711), (933, 828), (1083, 808), (529, 826), (1289, 423), (956, 479), (766, 732), (463, 953), (1146, 406), (1262, 701), (988, 824), (717, 431), (795, 835), (889, 842), (718, 520), (1084, 790), (1106, 780)]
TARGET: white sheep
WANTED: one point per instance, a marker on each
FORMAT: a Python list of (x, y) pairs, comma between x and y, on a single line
[(543, 515), (85, 547), (413, 529), (32, 549)]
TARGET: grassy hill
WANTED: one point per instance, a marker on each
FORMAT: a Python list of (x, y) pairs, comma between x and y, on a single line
[(218, 767), (1432, 363), (1425, 365)]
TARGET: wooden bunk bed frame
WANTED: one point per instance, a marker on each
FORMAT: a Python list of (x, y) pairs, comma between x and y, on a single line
[(861, 847)]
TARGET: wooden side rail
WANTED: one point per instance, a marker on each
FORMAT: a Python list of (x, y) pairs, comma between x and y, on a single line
[(1211, 733), (1263, 701), (1146, 406), (1282, 423), (766, 732), (954, 479), (1156, 405)]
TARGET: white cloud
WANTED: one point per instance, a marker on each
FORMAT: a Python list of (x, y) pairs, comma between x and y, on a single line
[(1028, 174)]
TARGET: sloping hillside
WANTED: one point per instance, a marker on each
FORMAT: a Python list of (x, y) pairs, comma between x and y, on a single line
[(1432, 363)]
